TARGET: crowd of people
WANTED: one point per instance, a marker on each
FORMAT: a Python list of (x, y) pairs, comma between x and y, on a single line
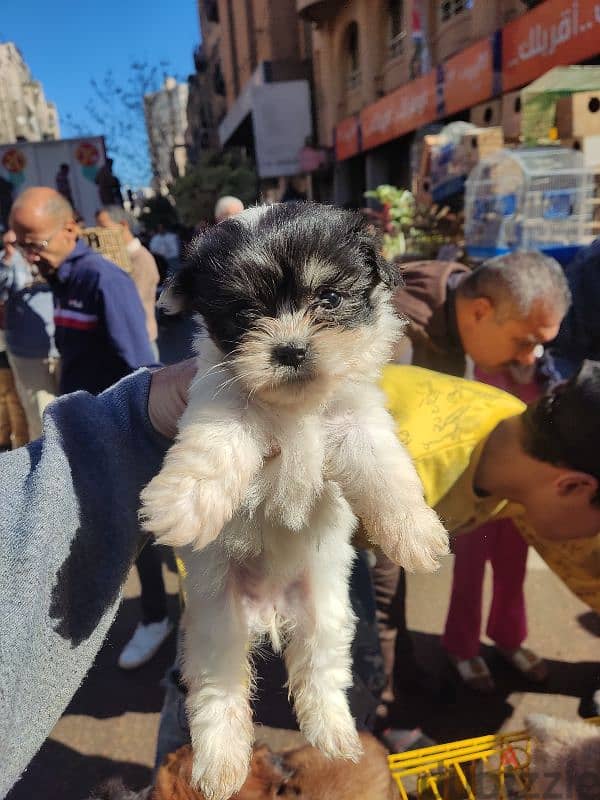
[(500, 358)]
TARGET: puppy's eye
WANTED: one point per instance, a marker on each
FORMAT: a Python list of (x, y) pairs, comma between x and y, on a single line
[(329, 299)]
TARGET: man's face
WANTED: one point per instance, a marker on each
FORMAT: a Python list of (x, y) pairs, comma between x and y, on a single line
[(561, 510), (43, 240), (496, 341)]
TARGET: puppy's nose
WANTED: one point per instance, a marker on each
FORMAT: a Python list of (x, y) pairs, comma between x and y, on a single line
[(289, 355)]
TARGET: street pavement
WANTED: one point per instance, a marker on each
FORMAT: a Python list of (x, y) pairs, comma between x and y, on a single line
[(110, 727)]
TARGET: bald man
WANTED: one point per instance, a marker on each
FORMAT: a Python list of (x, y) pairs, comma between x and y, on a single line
[(100, 322), (228, 206)]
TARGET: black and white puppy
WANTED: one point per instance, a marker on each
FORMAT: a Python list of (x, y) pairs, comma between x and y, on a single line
[(285, 442)]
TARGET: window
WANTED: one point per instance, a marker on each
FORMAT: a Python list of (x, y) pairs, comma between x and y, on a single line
[(450, 8), (396, 27), (352, 56)]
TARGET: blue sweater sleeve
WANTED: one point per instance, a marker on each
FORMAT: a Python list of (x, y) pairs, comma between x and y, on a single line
[(68, 536), (125, 319)]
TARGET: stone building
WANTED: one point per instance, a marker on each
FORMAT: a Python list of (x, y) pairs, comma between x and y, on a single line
[(166, 123), (25, 114)]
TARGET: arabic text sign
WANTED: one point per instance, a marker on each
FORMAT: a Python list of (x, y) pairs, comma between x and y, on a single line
[(404, 110), (347, 138), (469, 77), (553, 34)]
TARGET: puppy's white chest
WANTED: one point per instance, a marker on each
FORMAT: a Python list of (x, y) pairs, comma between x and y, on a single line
[(290, 484)]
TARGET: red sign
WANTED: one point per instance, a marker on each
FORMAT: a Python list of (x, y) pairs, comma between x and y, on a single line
[(87, 154), (469, 77), (404, 110), (14, 160), (347, 138), (553, 34)]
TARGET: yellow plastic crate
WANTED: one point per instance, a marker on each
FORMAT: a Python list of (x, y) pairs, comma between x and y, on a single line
[(459, 770)]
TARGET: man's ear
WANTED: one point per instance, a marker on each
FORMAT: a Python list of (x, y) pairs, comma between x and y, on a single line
[(481, 308), (573, 484)]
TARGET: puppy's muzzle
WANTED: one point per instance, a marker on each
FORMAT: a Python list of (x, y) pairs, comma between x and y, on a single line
[(290, 355)]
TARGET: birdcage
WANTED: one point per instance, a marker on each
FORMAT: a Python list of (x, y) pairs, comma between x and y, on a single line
[(528, 199)]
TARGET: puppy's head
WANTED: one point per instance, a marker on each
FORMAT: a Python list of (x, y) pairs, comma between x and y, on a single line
[(296, 296)]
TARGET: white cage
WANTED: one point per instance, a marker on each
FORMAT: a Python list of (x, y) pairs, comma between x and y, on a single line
[(528, 199)]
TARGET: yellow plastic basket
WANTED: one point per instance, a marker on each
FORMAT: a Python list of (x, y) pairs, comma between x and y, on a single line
[(496, 767)]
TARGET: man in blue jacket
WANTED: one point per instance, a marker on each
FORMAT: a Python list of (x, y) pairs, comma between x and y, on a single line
[(100, 324), (101, 336)]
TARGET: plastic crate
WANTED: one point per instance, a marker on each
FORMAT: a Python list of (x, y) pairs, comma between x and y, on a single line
[(494, 767)]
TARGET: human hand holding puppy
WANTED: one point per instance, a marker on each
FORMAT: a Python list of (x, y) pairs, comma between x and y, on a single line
[(296, 301)]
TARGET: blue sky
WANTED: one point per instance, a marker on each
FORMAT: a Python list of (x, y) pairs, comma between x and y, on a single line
[(65, 44)]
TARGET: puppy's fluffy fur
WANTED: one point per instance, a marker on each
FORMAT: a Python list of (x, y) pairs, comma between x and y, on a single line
[(566, 759), (284, 443)]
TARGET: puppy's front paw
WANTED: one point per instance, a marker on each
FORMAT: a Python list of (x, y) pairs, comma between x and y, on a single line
[(176, 510), (337, 740), (416, 540)]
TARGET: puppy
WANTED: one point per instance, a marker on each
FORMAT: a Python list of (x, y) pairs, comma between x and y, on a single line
[(315, 777), (566, 759), (284, 443)]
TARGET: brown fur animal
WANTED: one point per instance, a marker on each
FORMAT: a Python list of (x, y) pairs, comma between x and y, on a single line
[(314, 777), (566, 759), (302, 774)]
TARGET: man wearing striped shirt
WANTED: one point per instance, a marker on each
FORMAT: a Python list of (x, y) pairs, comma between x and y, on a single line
[(100, 323)]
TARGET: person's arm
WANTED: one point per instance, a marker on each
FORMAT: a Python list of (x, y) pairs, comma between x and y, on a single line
[(68, 535), (126, 320)]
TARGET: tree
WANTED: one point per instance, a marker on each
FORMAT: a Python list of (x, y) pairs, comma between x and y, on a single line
[(116, 110), (217, 174)]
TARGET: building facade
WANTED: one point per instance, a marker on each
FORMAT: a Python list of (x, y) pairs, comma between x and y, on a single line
[(25, 114), (166, 124), (206, 101), (262, 56)]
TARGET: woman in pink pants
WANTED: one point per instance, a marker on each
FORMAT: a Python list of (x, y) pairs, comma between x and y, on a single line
[(501, 544)]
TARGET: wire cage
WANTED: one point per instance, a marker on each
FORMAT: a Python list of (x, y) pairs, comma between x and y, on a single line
[(495, 767), (528, 199)]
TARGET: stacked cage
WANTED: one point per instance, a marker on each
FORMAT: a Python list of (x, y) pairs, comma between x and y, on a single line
[(528, 199)]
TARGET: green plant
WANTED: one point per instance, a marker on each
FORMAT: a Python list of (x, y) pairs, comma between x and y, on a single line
[(410, 228), (216, 174)]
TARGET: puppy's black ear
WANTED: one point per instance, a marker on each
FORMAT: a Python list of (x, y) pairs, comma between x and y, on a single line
[(389, 273), (371, 244), (178, 293)]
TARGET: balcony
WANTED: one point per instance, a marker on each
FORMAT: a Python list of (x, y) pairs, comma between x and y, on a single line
[(318, 10)]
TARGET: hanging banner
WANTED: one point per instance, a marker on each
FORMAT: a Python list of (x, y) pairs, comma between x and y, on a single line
[(400, 112), (553, 34), (469, 77), (347, 138)]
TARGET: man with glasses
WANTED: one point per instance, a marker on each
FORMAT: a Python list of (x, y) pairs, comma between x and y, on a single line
[(100, 322)]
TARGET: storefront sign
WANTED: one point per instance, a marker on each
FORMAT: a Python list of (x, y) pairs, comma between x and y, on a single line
[(347, 138), (404, 110), (553, 34), (469, 77)]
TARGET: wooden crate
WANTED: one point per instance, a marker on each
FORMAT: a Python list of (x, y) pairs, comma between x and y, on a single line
[(511, 116), (578, 115), (487, 115)]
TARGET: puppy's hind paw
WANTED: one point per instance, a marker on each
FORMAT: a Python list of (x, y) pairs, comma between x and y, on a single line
[(220, 780), (419, 543), (340, 743)]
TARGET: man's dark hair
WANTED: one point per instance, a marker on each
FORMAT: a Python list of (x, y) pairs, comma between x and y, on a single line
[(563, 426)]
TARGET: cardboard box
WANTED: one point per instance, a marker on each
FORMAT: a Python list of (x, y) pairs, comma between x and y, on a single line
[(487, 115), (578, 115), (478, 144), (589, 146), (511, 116)]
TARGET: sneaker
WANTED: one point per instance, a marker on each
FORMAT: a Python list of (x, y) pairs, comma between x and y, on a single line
[(144, 643)]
